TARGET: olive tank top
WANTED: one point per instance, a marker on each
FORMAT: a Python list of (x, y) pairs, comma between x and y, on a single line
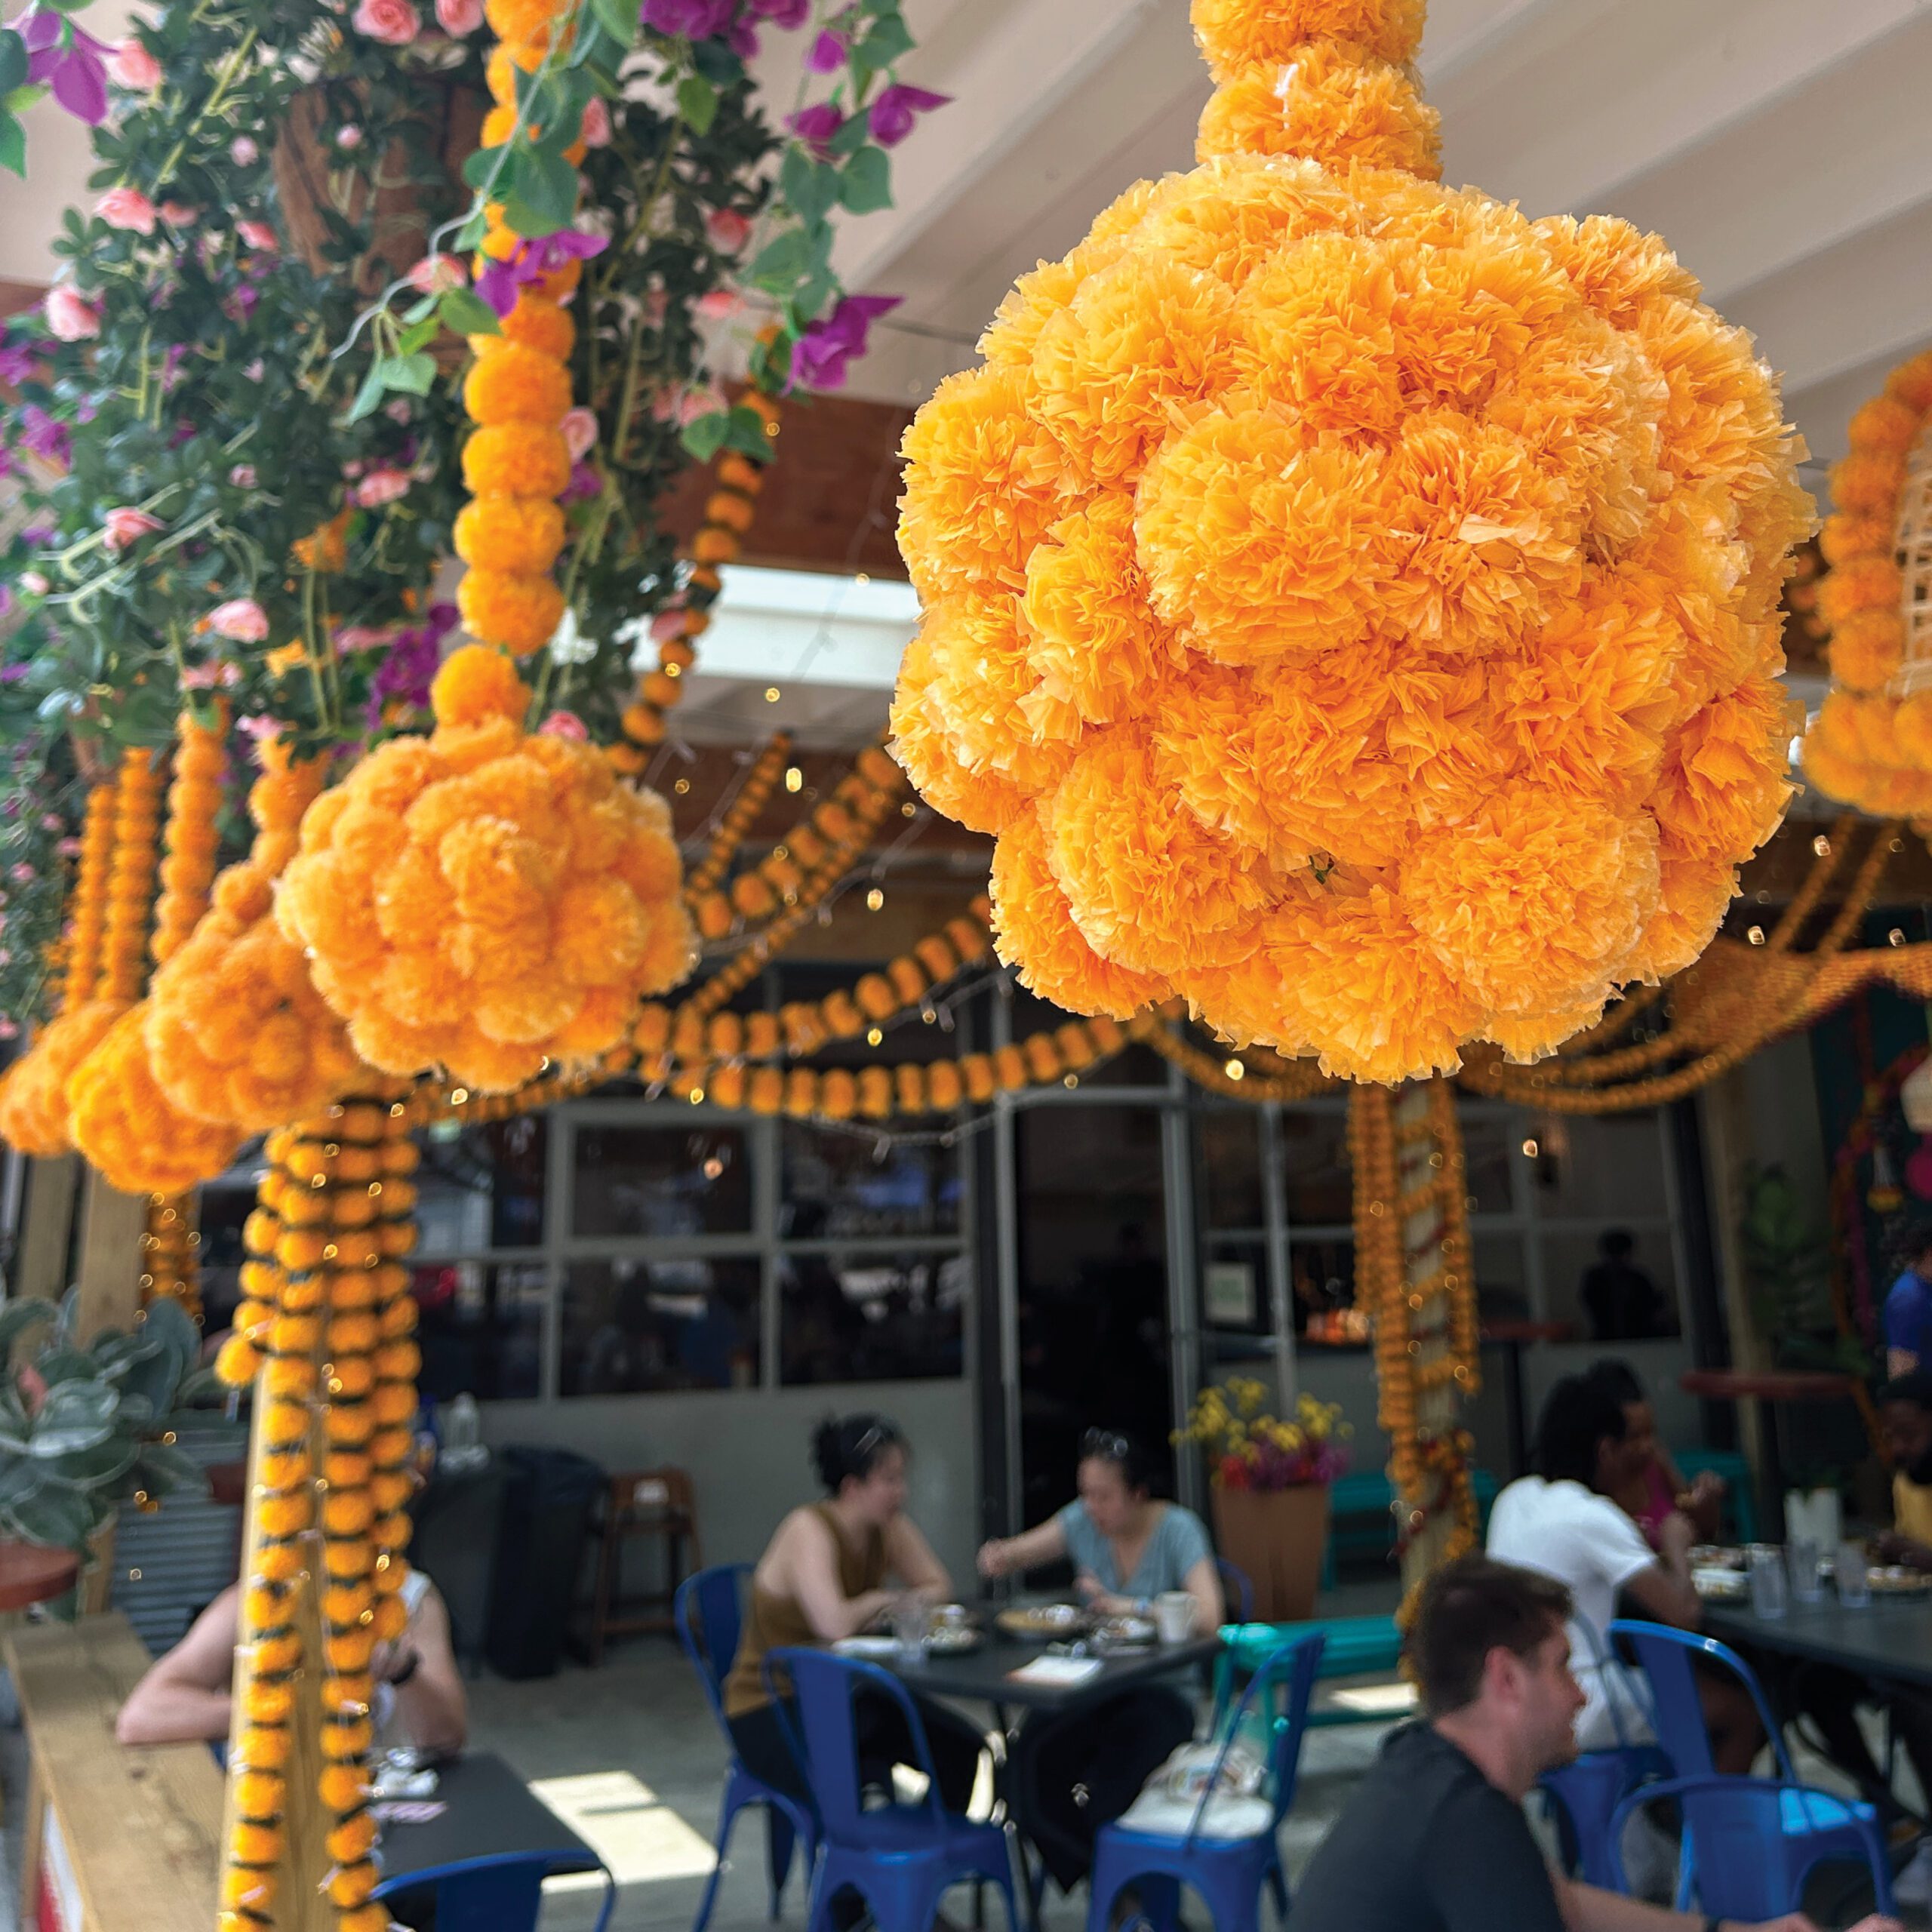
[(777, 1622)]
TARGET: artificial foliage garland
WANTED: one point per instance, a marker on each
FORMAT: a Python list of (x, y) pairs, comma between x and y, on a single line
[(1353, 605)]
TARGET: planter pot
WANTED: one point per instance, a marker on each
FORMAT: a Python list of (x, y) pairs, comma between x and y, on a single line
[(1277, 1536)]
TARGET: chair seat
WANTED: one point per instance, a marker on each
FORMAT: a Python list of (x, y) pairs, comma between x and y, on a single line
[(1153, 1818), (901, 1831), (1801, 1812)]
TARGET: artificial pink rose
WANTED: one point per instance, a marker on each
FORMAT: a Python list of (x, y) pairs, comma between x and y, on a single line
[(579, 429), (348, 139), (132, 67), (720, 305), (707, 400), (69, 317), (243, 151), (33, 583), (241, 620), (564, 724), (668, 624), (242, 476), (596, 130), (398, 409), (127, 526), (380, 486), (394, 22), (178, 214), (257, 234), (436, 275), (263, 730), (126, 208), (459, 18), (727, 230), (209, 677)]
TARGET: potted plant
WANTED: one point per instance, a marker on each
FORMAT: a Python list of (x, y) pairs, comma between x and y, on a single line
[(81, 1430), (1269, 1481)]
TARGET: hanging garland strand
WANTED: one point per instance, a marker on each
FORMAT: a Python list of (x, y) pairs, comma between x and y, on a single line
[(131, 878), (190, 840), (738, 818), (89, 916), (170, 1269)]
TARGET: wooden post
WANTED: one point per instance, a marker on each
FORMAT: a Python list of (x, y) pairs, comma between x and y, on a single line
[(109, 1275), (40, 1267), (1423, 1228)]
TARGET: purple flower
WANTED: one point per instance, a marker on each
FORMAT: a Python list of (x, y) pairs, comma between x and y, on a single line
[(18, 361), (409, 669), (820, 355), (828, 54), (71, 60), (585, 483), (892, 113), (689, 20), (531, 260), (46, 437), (37, 536), (815, 126)]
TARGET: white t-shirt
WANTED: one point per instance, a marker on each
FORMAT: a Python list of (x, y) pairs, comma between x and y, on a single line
[(1583, 1540)]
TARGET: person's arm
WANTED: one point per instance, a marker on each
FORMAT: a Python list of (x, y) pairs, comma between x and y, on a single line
[(1663, 1589), (186, 1696), (911, 1558), (1203, 1583), (811, 1568), (1586, 1909), (1003, 1556), (429, 1696)]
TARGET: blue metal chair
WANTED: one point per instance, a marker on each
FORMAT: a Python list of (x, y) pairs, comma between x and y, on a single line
[(1237, 1591), (1583, 1795), (503, 1893), (900, 1859), (706, 1611), (1748, 1843), (1229, 1873)]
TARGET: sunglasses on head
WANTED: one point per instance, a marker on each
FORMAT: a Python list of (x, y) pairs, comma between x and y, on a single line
[(1106, 1444)]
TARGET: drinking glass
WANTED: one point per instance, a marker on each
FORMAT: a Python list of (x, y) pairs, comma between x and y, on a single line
[(1803, 1555), (1854, 1583), (1770, 1585), (912, 1625)]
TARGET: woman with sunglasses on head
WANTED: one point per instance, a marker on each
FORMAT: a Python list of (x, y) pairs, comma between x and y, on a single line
[(823, 1576), (1070, 1773)]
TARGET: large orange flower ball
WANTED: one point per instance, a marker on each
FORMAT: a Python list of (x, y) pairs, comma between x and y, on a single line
[(485, 900), (1353, 604)]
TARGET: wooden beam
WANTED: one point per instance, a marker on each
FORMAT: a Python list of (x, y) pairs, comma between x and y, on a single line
[(48, 1233), (108, 1274)]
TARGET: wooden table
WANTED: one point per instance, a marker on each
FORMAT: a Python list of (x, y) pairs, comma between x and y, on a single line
[(130, 1839), (1767, 1387)]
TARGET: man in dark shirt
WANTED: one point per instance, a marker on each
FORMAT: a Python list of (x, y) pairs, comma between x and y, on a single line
[(1434, 1839)]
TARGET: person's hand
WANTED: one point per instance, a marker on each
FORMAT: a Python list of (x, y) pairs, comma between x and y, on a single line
[(1795, 1921), (1708, 1486), (995, 1558), (1893, 1548), (1090, 1588), (1878, 1922), (1676, 1533)]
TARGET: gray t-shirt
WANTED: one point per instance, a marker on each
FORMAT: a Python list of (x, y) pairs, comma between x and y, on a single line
[(1179, 1541)]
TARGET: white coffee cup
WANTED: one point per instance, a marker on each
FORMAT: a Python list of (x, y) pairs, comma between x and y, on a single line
[(1174, 1616)]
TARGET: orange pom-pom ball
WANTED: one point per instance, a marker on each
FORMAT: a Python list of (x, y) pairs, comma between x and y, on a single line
[(126, 1125), (517, 534), (542, 325), (352, 1840), (516, 460), (510, 382), (518, 610), (341, 1788)]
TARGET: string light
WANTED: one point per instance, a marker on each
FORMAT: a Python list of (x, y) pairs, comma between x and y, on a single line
[(795, 778), (771, 694), (874, 900)]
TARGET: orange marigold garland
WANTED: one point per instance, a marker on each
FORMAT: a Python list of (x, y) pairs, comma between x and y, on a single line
[(740, 816), (170, 1269), (1321, 561), (191, 838), (485, 899)]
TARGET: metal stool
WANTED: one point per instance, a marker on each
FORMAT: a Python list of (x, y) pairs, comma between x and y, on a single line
[(643, 1503)]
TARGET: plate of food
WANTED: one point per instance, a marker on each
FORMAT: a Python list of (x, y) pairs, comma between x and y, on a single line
[(1893, 1579), (1042, 1620), (1122, 1632), (1717, 1583), (1718, 1556), (951, 1640)]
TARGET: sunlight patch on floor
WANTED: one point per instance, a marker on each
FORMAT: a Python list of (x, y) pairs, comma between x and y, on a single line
[(629, 1826)]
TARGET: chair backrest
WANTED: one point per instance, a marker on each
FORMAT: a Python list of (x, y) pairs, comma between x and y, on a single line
[(1237, 1591), (1285, 1684), (499, 1892), (822, 1685), (1667, 1656), (707, 1613), (1629, 1710)]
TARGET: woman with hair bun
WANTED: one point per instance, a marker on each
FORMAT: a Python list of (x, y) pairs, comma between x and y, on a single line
[(824, 1576)]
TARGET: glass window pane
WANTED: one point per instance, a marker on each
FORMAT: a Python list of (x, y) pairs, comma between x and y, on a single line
[(835, 1186), (480, 1329), (1603, 1168), (1315, 1142), (1321, 1279), (1231, 1166), (1612, 1296), (1235, 1312), (1503, 1279), (482, 1187), (872, 1317), (632, 1325), (1489, 1142), (662, 1180)]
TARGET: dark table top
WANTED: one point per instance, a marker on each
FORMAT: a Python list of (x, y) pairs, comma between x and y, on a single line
[(983, 1676), (490, 1811), (1885, 1640)]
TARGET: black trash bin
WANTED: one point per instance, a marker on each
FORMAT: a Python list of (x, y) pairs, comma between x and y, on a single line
[(548, 1497)]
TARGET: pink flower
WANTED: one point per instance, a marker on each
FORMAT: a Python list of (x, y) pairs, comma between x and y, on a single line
[(564, 724), (727, 230), (380, 486), (241, 620), (435, 275), (257, 234), (263, 730), (398, 409), (206, 677), (127, 526), (394, 22), (132, 67), (126, 208), (707, 400), (69, 317), (349, 138), (33, 583), (178, 214), (668, 624), (459, 18), (720, 305), (243, 151), (579, 429), (22, 873), (596, 129), (242, 476)]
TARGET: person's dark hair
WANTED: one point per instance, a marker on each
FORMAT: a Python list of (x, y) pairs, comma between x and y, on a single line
[(1466, 1610), (1116, 1446), (1617, 1243), (1620, 1378), (1578, 1415), (1912, 1242), (845, 1446), (1913, 1386)]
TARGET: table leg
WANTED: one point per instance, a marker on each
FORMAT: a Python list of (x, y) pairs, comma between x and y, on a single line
[(1771, 1478), (1512, 1394)]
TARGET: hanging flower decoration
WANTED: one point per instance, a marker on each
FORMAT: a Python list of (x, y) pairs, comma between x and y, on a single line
[(486, 898), (1872, 745), (1353, 604)]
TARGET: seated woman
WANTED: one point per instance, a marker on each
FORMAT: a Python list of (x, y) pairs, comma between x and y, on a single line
[(1656, 1490), (822, 1577), (1074, 1771)]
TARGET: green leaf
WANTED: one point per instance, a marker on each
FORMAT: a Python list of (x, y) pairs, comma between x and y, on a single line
[(866, 183), (13, 144), (12, 61), (418, 336), (744, 431), (887, 42), (16, 1317), (697, 102), (718, 65), (198, 1386), (471, 234), (619, 19), (480, 166), (163, 1470), (782, 261), (809, 188), (704, 436), (91, 1468), (54, 1517), (468, 314), (547, 183), (59, 1365), (369, 397), (852, 134), (49, 1440), (416, 311), (415, 374)]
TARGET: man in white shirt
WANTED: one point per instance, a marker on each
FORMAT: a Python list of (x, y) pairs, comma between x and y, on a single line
[(1562, 1521)]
